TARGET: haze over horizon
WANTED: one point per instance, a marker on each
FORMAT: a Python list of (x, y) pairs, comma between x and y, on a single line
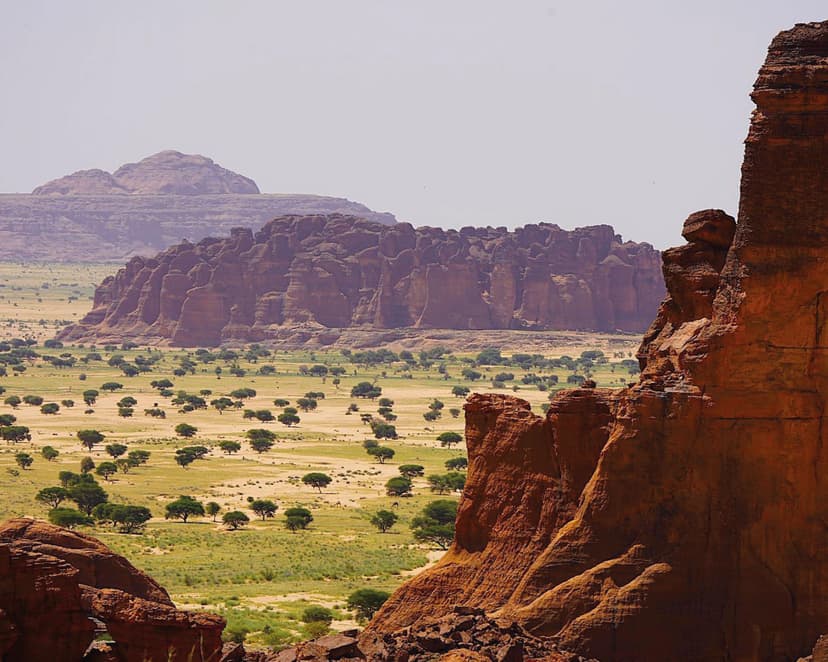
[(443, 114)]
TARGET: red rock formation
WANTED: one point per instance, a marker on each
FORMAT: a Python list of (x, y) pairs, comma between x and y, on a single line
[(699, 530), (338, 271), (53, 580)]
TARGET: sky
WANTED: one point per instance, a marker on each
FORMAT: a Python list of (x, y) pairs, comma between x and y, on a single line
[(445, 113)]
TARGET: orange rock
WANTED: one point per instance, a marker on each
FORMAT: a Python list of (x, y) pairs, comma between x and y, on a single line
[(695, 525)]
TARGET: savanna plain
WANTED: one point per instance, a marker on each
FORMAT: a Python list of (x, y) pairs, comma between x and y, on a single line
[(244, 429)]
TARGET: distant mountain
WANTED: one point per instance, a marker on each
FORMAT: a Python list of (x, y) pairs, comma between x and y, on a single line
[(165, 173), (144, 207)]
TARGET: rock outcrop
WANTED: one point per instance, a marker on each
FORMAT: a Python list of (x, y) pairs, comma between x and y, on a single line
[(334, 272), (686, 517), (145, 207), (53, 582), (164, 173)]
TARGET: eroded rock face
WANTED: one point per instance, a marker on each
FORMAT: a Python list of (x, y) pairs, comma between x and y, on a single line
[(699, 530), (53, 580), (336, 271)]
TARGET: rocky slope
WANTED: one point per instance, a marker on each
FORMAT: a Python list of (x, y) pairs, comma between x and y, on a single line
[(334, 271), (686, 517), (59, 589), (144, 207)]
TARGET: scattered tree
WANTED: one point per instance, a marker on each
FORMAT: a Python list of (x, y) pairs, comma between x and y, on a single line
[(235, 519), (52, 496), (87, 464), (185, 430), (446, 439), (115, 450), (230, 446), (384, 520), (49, 453), (183, 508), (212, 509), (264, 508), (106, 469), (382, 453), (89, 438), (398, 486), (23, 460), (436, 523), (69, 518), (367, 601), (457, 463), (411, 470), (317, 480)]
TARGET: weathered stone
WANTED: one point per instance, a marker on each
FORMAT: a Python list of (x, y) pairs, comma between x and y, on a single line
[(682, 518), (56, 585), (334, 271)]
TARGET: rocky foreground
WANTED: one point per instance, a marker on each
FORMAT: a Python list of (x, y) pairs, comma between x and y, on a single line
[(145, 207), (332, 272), (686, 517)]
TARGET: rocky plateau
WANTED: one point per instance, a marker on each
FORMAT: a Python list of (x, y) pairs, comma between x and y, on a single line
[(144, 207), (326, 273)]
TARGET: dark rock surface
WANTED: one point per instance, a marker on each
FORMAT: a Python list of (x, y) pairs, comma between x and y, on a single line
[(334, 271)]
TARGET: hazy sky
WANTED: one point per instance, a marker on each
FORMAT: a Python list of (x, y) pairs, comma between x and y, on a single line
[(444, 112)]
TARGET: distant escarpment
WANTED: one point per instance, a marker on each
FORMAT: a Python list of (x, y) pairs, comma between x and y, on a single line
[(335, 272), (144, 207), (685, 517)]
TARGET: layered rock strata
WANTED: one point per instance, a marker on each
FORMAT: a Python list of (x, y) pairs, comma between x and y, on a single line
[(144, 207), (54, 582), (335, 271), (686, 517)]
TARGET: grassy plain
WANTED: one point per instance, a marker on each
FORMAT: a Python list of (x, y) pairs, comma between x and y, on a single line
[(261, 577)]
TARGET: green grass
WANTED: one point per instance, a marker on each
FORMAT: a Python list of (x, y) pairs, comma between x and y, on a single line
[(260, 578)]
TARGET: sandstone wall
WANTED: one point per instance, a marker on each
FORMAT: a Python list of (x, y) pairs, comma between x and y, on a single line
[(684, 518), (335, 271)]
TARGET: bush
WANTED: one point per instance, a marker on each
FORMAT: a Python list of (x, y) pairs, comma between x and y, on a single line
[(235, 519), (398, 486), (317, 614), (69, 518), (367, 601), (384, 520)]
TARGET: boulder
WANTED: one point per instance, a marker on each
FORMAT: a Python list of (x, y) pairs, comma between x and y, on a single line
[(59, 588)]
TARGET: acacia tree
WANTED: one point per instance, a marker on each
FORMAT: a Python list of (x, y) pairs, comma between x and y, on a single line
[(212, 509), (384, 520), (106, 469), (183, 508), (52, 496), (317, 480), (89, 438), (235, 519), (264, 508)]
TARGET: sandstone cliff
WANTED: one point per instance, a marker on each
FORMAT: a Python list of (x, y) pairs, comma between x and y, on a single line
[(686, 517), (54, 582), (144, 207), (338, 271)]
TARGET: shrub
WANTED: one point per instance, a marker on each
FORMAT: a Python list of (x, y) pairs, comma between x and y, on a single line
[(367, 601)]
